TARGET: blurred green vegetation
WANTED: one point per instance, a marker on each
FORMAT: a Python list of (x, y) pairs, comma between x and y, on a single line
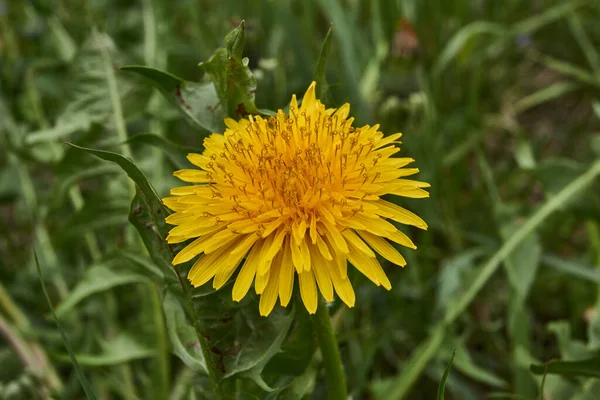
[(498, 103)]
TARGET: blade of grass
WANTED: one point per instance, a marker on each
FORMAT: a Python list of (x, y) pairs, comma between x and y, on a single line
[(538, 21), (319, 75), (426, 351), (565, 68), (584, 42), (85, 384), (541, 394), (162, 366), (573, 269), (529, 226), (442, 387), (548, 93)]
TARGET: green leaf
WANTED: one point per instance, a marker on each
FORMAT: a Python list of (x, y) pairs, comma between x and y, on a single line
[(162, 143), (582, 368), (182, 334), (464, 363), (198, 102), (442, 386), (85, 384), (129, 167), (120, 349), (88, 94), (426, 351), (175, 151), (570, 349), (96, 279), (59, 192), (320, 70), (140, 260), (146, 214), (262, 345), (522, 263), (296, 351), (233, 80), (461, 38)]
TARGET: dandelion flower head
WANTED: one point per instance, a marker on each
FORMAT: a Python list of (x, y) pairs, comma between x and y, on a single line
[(296, 194)]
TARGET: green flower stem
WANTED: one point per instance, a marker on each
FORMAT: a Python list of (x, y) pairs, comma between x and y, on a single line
[(211, 366), (334, 370)]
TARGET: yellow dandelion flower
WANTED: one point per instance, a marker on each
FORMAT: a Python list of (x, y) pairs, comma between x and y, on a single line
[(298, 194)]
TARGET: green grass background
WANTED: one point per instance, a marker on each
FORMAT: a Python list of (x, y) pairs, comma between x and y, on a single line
[(498, 103)]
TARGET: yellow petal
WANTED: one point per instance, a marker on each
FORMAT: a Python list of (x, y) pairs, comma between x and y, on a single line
[(286, 276), (184, 190), (313, 229), (275, 244), (207, 266), (321, 269), (366, 265), (335, 237), (261, 282), (269, 296), (174, 204), (219, 240), (297, 258), (400, 238), (374, 224), (308, 291), (246, 275), (265, 262), (384, 248), (305, 255), (323, 248), (191, 250), (399, 214), (309, 99), (351, 237), (298, 230), (343, 287), (180, 218), (192, 175), (342, 264), (245, 245), (227, 269), (271, 226), (413, 194), (387, 140)]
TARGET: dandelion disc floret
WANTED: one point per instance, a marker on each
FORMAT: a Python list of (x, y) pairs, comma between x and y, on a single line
[(297, 194)]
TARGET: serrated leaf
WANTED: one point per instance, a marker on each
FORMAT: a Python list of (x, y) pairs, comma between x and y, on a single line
[(88, 94), (182, 334), (262, 345), (147, 213), (233, 80), (296, 351), (96, 279), (573, 369), (198, 102)]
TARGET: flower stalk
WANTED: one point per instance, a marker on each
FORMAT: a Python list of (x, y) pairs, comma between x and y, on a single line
[(334, 369)]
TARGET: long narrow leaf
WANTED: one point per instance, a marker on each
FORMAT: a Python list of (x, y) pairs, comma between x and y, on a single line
[(85, 384)]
